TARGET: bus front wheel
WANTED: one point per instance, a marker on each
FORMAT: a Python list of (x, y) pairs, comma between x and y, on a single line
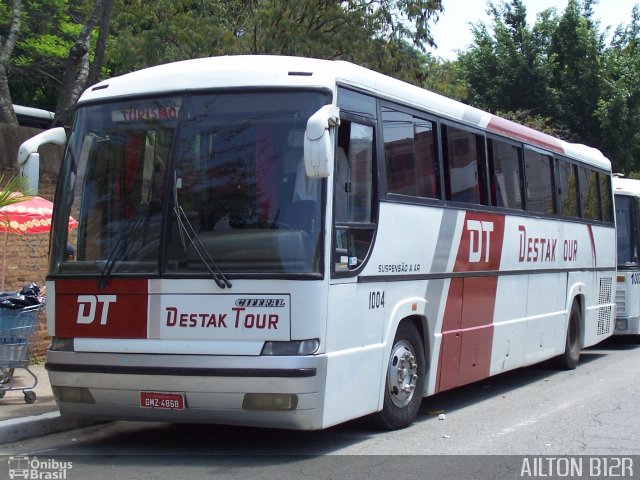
[(569, 359), (405, 377)]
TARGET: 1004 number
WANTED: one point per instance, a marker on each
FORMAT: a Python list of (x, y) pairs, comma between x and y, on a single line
[(376, 300)]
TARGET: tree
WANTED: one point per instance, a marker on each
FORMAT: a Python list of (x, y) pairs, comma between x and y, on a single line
[(444, 77), (77, 67), (7, 44), (619, 106), (389, 36), (553, 72), (46, 36), (575, 54), (386, 35), (152, 33), (58, 52), (506, 66)]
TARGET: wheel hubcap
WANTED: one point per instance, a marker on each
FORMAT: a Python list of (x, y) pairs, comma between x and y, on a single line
[(402, 374)]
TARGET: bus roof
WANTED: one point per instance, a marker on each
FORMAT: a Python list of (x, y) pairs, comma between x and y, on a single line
[(279, 71), (626, 186)]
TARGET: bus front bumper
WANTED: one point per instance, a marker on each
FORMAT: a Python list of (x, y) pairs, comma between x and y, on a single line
[(274, 392)]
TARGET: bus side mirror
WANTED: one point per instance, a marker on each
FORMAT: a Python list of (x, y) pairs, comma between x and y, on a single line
[(318, 148), (29, 158)]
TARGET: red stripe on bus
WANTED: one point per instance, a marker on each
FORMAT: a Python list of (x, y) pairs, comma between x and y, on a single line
[(526, 134), (594, 255), (467, 326), (465, 352)]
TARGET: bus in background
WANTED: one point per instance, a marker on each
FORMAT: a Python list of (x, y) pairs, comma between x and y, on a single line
[(626, 197), (294, 243), (33, 117)]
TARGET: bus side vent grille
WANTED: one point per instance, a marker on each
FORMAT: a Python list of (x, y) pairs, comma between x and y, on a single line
[(605, 311), (606, 287)]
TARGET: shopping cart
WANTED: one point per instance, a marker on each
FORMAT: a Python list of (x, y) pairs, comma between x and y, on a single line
[(16, 328)]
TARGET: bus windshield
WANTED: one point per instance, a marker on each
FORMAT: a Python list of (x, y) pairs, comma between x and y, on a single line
[(232, 163), (626, 229)]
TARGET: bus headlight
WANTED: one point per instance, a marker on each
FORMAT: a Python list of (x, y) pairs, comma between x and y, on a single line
[(295, 347)]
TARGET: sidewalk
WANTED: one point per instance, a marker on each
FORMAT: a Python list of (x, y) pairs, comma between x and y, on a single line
[(20, 420)]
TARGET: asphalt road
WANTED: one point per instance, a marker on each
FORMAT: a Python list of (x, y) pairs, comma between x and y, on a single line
[(488, 429)]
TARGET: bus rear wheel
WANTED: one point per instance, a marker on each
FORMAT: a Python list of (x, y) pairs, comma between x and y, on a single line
[(405, 377), (569, 359)]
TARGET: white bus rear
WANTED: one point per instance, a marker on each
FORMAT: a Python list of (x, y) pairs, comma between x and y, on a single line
[(627, 196)]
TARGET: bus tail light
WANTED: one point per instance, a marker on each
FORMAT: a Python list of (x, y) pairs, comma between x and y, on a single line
[(621, 279), (296, 347), (270, 401)]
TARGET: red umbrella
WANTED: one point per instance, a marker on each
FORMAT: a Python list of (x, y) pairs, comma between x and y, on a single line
[(30, 216)]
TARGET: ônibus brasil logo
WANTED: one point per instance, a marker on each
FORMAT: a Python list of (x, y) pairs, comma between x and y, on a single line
[(37, 469)]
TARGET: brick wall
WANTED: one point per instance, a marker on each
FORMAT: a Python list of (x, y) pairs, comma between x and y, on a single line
[(25, 258)]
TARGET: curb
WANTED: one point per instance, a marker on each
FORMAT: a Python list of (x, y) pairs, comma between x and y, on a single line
[(17, 429)]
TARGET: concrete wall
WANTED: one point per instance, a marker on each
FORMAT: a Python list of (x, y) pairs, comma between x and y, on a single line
[(24, 258)]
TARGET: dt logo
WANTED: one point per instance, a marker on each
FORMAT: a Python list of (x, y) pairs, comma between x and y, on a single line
[(480, 233), (88, 307)]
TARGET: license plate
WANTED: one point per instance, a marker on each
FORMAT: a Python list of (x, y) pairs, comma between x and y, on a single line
[(162, 400)]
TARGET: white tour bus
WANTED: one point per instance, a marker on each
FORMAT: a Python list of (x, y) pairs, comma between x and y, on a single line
[(294, 243), (627, 203), (33, 117)]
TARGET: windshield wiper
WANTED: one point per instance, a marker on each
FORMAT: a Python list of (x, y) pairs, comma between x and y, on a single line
[(186, 230), (122, 246)]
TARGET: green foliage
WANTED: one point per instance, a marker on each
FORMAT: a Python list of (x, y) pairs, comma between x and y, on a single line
[(576, 73), (444, 77), (508, 60), (151, 33), (619, 106), (48, 31), (559, 76), (11, 190), (387, 35)]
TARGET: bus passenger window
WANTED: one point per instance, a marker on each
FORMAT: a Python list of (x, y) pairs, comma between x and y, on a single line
[(568, 189), (588, 184), (605, 197), (540, 190), (410, 154), (506, 174), (463, 156)]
